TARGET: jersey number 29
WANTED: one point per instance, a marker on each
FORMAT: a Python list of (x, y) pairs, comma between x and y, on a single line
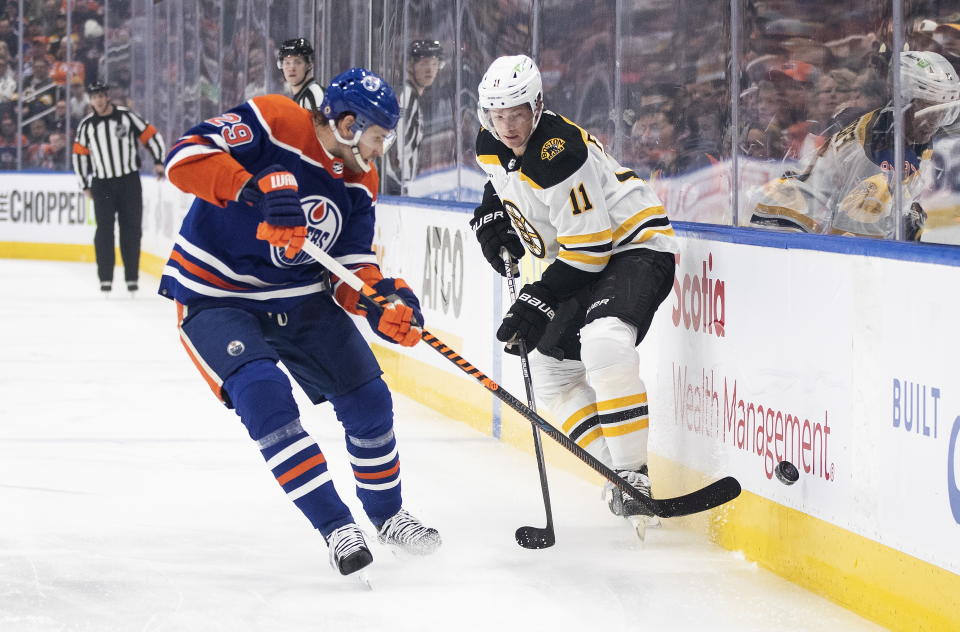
[(232, 130)]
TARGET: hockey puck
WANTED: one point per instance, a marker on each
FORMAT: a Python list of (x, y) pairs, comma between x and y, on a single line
[(787, 472)]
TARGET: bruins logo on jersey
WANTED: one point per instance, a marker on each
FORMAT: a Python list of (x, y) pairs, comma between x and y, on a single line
[(551, 148), (525, 229)]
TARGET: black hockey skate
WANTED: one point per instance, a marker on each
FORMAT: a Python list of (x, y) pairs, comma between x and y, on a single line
[(348, 549), (409, 534), (639, 515), (625, 506)]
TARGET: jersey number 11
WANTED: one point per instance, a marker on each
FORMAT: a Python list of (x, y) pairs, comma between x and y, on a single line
[(581, 203)]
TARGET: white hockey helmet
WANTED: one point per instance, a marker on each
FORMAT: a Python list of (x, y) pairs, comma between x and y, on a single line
[(928, 76), (509, 81)]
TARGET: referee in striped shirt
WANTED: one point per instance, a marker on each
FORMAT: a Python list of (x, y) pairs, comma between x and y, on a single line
[(105, 159)]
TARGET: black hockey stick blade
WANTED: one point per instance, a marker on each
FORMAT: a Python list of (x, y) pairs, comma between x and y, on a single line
[(535, 537), (713, 495)]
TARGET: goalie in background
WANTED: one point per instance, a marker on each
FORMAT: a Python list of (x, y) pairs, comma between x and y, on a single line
[(848, 189), (608, 250)]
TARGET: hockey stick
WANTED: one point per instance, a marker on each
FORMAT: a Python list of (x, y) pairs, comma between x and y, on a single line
[(713, 495), (531, 537)]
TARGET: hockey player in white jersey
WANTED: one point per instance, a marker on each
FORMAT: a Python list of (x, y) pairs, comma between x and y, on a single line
[(608, 248), (849, 188)]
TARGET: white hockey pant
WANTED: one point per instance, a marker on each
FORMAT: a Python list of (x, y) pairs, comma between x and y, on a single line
[(600, 401)]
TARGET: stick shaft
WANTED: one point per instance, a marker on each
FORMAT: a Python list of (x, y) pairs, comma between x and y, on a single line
[(531, 402)]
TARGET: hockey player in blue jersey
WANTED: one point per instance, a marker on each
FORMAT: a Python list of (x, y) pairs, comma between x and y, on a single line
[(269, 174)]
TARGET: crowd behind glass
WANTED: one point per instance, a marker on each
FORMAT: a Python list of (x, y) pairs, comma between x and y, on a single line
[(650, 78)]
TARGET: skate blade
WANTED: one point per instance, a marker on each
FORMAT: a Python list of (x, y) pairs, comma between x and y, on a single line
[(639, 524), (363, 577)]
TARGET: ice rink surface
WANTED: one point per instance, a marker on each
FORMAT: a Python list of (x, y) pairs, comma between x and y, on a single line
[(130, 499)]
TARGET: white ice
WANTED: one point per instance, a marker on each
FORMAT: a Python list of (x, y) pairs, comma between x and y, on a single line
[(130, 499)]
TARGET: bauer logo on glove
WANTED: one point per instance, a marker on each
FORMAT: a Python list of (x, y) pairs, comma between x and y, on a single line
[(537, 304), (529, 315)]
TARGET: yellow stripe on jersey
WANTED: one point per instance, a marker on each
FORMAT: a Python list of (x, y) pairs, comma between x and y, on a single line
[(592, 238), (582, 257), (631, 223), (619, 431), (650, 233), (578, 416), (798, 218), (587, 136), (524, 177), (488, 159), (623, 402), (589, 437)]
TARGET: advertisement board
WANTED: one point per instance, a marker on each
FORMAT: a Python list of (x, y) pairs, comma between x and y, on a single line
[(842, 365)]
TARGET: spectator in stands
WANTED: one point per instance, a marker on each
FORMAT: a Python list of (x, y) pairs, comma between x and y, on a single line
[(834, 89), (9, 36), (8, 81), (39, 85), (38, 131), (794, 80), (256, 75), (55, 153), (59, 123), (60, 68), (8, 131), (79, 104), (762, 136), (869, 93), (38, 135), (828, 112), (654, 144)]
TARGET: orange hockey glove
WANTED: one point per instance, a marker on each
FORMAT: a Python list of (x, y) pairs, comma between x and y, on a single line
[(401, 322), (274, 190)]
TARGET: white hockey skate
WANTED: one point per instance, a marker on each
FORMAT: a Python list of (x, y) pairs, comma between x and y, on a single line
[(348, 549), (409, 534), (639, 515)]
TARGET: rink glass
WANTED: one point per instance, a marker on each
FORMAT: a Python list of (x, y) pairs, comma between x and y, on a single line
[(651, 79)]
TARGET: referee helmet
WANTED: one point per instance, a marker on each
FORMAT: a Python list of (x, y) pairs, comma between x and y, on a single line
[(298, 47), (98, 86)]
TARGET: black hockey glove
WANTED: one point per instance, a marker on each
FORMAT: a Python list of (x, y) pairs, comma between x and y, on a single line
[(913, 222), (529, 316), (494, 231)]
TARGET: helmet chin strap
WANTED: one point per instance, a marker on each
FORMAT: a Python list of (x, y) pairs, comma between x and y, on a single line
[(352, 144)]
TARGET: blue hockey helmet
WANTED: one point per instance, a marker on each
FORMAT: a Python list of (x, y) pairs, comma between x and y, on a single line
[(370, 99), (366, 95)]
